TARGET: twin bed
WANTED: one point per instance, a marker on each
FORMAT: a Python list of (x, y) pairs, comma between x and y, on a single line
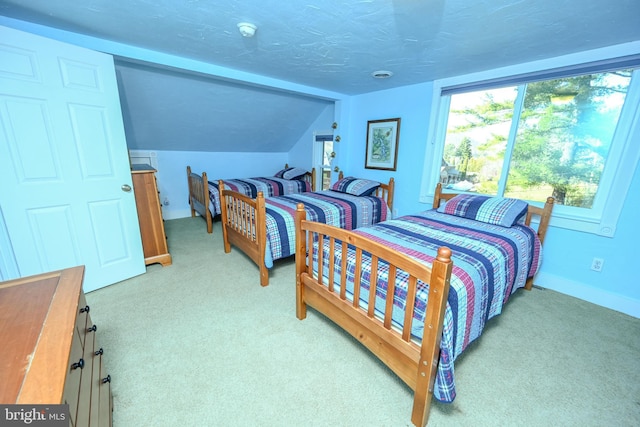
[(204, 195), (415, 290), (264, 228), (437, 277)]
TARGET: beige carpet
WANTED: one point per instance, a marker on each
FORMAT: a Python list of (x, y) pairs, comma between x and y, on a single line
[(200, 343)]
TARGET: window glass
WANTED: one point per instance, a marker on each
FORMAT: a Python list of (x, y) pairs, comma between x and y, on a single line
[(327, 157), (564, 137), (476, 140), (530, 141)]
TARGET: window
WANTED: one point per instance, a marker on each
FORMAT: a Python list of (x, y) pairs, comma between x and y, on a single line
[(323, 156), (561, 136)]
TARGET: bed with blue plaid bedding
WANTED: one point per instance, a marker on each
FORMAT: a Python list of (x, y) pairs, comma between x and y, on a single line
[(330, 207), (270, 187), (490, 262)]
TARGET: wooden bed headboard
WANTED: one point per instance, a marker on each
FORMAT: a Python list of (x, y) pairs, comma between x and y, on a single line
[(385, 191), (544, 213)]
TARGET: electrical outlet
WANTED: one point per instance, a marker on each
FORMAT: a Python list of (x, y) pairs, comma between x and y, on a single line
[(596, 264)]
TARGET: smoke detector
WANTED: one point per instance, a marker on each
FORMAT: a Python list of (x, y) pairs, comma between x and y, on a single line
[(247, 29), (381, 74)]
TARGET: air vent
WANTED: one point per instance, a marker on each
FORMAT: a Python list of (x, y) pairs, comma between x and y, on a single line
[(381, 74)]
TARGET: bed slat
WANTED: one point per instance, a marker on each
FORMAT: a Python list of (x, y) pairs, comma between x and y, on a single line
[(373, 286), (357, 280), (391, 290)]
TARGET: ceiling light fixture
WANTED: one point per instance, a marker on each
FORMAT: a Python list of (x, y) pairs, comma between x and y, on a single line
[(382, 74), (247, 29)]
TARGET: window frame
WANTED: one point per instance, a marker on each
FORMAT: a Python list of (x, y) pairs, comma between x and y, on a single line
[(621, 162), (319, 139)]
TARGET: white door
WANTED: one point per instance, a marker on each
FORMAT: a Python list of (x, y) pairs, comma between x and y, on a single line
[(64, 170)]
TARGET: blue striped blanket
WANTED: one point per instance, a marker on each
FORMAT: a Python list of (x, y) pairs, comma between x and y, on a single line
[(330, 207), (270, 187), (490, 262)]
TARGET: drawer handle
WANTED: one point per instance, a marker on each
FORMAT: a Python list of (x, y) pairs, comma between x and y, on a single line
[(78, 364), (99, 352), (85, 309), (106, 379), (92, 329)]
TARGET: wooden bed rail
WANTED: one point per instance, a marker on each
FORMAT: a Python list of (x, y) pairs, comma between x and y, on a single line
[(415, 363)]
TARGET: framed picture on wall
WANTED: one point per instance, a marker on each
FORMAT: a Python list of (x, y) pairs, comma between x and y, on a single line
[(382, 144)]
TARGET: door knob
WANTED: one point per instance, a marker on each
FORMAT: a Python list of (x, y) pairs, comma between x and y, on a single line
[(126, 188)]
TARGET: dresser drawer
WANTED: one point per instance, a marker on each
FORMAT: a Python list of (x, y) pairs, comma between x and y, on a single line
[(74, 374), (103, 390), (83, 321)]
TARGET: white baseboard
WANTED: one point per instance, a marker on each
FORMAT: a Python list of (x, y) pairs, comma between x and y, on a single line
[(175, 213), (596, 296)]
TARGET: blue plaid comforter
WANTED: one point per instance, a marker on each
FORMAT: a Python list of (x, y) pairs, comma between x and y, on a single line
[(252, 186), (330, 207), (490, 262)]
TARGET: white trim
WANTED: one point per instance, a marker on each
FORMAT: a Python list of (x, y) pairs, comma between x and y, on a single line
[(593, 295), (137, 157)]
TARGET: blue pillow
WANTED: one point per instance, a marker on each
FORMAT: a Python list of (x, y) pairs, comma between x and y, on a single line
[(492, 210), (355, 186), (290, 173)]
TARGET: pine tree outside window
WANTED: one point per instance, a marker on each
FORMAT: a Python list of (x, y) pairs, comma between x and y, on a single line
[(560, 136)]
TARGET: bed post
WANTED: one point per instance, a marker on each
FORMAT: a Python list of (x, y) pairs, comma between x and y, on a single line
[(301, 261), (193, 211), (545, 218), (205, 198), (261, 237), (430, 349), (390, 191), (224, 217), (437, 196)]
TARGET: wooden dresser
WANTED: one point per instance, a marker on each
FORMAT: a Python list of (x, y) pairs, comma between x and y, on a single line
[(50, 354), (154, 239)]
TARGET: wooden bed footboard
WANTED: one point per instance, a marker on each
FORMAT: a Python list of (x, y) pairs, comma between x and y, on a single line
[(415, 363), (199, 196), (243, 225)]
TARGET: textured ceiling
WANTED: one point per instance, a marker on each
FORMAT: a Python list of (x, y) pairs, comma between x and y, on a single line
[(335, 45)]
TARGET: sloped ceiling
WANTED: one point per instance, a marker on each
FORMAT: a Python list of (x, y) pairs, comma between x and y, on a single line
[(305, 54), (178, 111)]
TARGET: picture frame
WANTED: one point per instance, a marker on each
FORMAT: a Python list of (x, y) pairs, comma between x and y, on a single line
[(382, 144)]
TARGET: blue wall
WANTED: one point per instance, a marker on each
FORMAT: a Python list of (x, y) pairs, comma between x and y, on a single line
[(172, 175), (567, 254)]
